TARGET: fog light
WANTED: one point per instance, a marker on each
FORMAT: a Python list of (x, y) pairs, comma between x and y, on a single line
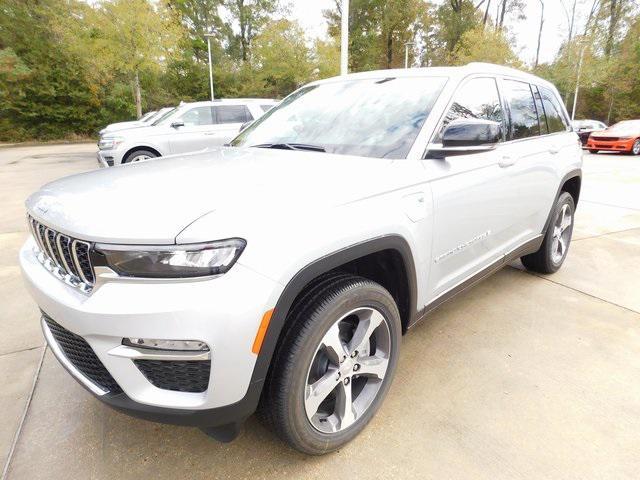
[(157, 344)]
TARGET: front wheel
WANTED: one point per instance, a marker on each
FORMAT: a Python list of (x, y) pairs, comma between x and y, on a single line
[(635, 149), (335, 364), (593, 151), (139, 156), (551, 254)]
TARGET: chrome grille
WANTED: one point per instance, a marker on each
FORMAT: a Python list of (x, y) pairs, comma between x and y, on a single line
[(67, 258)]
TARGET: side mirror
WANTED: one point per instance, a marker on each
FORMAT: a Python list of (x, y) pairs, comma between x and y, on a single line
[(177, 124), (465, 136), (245, 125)]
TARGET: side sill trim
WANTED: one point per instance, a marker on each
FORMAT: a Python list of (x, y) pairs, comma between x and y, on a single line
[(75, 373), (527, 247)]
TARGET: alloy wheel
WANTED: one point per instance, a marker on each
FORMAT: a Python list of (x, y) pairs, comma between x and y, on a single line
[(139, 158), (636, 147), (561, 234), (347, 370)]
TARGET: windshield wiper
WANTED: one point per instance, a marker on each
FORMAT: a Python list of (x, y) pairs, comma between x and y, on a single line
[(291, 146)]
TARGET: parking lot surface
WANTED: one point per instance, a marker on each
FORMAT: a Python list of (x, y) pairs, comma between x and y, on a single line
[(523, 376)]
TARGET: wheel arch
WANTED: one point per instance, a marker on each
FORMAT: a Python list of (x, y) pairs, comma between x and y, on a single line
[(396, 246), (140, 147), (571, 183)]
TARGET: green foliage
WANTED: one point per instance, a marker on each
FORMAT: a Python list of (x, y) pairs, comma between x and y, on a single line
[(484, 45), (68, 67)]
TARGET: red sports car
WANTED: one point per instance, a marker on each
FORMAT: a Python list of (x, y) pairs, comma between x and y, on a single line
[(620, 137)]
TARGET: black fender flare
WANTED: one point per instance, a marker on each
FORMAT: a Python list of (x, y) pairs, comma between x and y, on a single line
[(314, 269), (577, 173)]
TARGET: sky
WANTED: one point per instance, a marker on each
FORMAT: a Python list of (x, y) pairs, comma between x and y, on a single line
[(525, 32)]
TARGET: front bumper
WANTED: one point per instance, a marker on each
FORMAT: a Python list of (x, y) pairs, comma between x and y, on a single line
[(614, 146), (223, 312), (105, 158)]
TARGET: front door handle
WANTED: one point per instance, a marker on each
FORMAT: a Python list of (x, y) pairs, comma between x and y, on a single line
[(553, 149), (506, 161)]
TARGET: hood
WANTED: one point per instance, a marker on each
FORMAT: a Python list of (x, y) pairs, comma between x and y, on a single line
[(153, 201), (114, 127)]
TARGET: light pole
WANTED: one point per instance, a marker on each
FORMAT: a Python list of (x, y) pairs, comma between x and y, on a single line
[(406, 53), (208, 36), (344, 39)]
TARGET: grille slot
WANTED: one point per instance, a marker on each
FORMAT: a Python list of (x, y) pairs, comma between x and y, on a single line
[(82, 356), (605, 139), (180, 376), (67, 257)]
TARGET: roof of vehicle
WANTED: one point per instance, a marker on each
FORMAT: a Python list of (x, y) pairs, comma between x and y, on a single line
[(231, 101), (451, 72)]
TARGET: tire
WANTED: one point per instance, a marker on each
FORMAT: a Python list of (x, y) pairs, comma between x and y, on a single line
[(341, 307), (552, 253), (635, 149), (139, 155), (593, 151)]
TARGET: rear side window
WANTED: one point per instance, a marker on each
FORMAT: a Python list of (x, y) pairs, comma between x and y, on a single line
[(266, 108), (232, 114), (478, 98), (524, 117), (197, 116), (553, 111)]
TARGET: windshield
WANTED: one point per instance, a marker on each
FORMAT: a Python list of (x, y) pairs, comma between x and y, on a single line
[(164, 115), (377, 118), (147, 116), (629, 127)]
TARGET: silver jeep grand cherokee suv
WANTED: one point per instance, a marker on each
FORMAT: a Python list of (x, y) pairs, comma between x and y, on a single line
[(280, 273)]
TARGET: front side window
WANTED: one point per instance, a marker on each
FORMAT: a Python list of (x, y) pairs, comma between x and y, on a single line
[(524, 117), (378, 118), (553, 111), (232, 114), (197, 116), (478, 98)]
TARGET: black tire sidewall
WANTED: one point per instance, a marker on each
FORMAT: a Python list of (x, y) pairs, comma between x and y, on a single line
[(305, 436), (564, 198), (135, 153)]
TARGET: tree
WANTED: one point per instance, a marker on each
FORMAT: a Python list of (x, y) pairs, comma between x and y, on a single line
[(482, 45), (539, 34), (123, 37), (378, 30), (252, 16), (281, 59)]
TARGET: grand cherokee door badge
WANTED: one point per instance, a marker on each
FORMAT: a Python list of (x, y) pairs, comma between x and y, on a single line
[(462, 246)]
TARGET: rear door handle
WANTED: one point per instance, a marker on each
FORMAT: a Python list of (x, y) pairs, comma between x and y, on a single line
[(506, 161), (553, 149)]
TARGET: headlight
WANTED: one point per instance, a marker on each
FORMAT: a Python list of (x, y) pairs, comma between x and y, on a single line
[(173, 261), (109, 143)]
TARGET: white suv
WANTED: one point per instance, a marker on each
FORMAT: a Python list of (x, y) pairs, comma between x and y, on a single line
[(280, 274), (187, 128)]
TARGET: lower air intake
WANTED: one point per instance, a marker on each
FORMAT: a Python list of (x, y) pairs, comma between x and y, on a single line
[(180, 376)]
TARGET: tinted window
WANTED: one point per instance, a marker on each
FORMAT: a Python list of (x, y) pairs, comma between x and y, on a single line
[(553, 111), (379, 117), (524, 118), (266, 108), (477, 98), (197, 116), (232, 114), (541, 116)]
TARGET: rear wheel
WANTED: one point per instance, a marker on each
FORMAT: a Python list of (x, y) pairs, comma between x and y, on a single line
[(139, 155), (334, 365), (554, 248)]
